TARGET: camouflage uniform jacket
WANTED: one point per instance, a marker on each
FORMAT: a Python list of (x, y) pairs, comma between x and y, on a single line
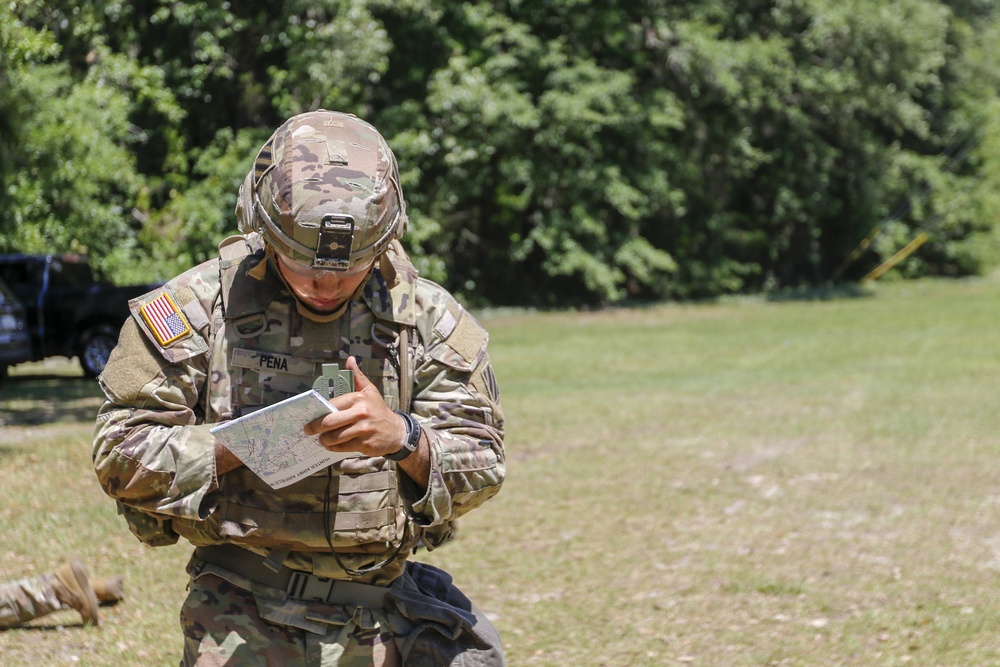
[(246, 346)]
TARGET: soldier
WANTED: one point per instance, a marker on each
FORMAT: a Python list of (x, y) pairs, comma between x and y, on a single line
[(316, 572), (67, 587)]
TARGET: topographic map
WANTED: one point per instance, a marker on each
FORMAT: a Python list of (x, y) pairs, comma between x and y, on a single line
[(271, 441)]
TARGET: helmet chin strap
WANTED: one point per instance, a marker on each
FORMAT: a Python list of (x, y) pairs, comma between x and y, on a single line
[(307, 312)]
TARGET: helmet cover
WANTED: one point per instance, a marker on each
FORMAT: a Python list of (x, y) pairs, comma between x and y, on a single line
[(324, 191)]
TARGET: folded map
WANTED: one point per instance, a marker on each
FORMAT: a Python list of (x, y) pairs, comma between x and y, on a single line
[(271, 441)]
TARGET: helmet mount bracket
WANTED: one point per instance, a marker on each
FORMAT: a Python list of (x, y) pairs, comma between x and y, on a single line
[(334, 243)]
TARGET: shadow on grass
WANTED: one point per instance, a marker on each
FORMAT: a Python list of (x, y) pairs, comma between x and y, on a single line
[(829, 292), (820, 293), (59, 627), (31, 400)]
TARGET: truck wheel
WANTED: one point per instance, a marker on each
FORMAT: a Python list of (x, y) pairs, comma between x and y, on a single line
[(96, 344)]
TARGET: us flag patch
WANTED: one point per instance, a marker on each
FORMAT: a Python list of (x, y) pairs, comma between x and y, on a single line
[(165, 319)]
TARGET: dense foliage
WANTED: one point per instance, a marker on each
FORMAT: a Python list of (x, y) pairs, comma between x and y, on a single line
[(553, 151)]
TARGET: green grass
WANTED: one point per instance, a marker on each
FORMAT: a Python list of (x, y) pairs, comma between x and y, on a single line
[(744, 483)]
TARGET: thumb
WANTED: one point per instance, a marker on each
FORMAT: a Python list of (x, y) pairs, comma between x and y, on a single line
[(361, 381)]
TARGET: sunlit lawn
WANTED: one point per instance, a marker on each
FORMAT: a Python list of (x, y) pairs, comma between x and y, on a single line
[(743, 483)]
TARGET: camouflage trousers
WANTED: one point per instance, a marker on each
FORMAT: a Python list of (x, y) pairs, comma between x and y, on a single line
[(27, 599), (426, 622)]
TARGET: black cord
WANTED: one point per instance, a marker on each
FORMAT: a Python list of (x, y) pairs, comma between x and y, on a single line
[(329, 537)]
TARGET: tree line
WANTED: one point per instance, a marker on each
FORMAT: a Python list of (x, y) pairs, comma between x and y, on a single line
[(552, 152)]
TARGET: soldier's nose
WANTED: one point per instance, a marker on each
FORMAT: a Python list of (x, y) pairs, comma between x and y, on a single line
[(326, 280)]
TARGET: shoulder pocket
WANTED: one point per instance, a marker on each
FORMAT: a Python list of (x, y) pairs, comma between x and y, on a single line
[(464, 345), (166, 326)]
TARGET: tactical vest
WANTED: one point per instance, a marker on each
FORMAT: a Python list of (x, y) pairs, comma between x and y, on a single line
[(262, 351)]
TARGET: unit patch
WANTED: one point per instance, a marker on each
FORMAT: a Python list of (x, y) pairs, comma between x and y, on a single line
[(165, 319)]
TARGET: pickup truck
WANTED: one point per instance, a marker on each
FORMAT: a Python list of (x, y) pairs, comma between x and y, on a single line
[(15, 344), (70, 312)]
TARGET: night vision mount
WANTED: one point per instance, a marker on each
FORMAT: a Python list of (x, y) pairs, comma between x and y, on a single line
[(334, 243)]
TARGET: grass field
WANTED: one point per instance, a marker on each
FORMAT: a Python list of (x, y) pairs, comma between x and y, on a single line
[(804, 482)]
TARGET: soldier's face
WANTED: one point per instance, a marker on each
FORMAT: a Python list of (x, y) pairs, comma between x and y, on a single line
[(322, 291)]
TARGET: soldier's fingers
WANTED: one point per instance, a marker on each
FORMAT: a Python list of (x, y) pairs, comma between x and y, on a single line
[(332, 440), (361, 381), (347, 439), (332, 421)]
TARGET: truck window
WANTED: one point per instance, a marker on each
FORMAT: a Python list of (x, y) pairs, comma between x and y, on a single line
[(18, 273), (70, 274)]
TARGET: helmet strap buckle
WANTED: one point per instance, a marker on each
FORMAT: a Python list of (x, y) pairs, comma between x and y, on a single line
[(334, 243)]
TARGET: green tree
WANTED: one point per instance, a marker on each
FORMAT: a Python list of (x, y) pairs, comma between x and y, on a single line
[(553, 152), (68, 175)]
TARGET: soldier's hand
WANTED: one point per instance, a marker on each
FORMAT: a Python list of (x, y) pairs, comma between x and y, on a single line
[(364, 423)]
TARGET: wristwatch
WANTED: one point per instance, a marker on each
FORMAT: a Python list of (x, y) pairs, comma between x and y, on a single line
[(412, 439)]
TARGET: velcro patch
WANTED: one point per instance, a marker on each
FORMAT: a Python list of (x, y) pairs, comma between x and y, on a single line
[(468, 338), (165, 320)]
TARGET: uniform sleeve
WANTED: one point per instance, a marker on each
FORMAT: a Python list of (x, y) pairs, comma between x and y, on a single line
[(151, 449), (457, 400)]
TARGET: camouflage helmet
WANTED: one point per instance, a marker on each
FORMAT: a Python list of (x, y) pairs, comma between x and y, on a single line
[(324, 191)]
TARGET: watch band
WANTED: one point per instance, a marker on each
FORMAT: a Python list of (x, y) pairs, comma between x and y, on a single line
[(412, 439)]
